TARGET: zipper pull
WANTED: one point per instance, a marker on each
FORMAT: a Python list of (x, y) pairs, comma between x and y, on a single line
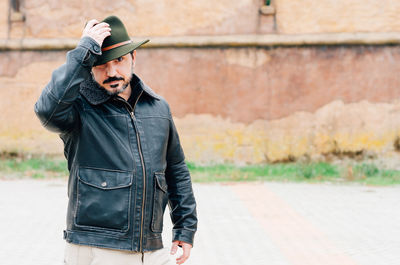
[(132, 115)]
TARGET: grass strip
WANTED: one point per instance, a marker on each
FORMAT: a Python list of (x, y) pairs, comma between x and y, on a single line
[(367, 173), (37, 168), (360, 172)]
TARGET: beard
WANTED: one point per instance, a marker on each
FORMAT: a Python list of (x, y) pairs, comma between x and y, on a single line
[(120, 90)]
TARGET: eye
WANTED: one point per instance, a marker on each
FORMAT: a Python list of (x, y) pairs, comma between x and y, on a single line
[(119, 59)]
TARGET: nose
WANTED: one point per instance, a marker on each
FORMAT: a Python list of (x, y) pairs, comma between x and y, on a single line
[(111, 70)]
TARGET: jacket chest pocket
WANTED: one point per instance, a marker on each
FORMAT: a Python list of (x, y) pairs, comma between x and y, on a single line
[(103, 199), (160, 202)]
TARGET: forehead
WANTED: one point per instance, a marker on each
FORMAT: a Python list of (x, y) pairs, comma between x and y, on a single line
[(126, 55)]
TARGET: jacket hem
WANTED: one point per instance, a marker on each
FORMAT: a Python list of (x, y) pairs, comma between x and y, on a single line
[(109, 241)]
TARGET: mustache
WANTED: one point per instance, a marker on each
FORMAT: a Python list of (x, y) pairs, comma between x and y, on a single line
[(113, 78)]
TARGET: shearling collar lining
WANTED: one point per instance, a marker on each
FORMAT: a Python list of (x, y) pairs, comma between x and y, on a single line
[(97, 95)]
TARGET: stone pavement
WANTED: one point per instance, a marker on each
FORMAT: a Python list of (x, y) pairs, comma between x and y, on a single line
[(241, 223)]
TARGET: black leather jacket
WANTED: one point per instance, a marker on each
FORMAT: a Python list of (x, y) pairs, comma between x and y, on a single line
[(125, 160)]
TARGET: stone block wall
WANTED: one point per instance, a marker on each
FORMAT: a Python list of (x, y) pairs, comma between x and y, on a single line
[(247, 104), (65, 19)]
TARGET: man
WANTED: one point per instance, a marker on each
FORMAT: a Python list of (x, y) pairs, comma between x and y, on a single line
[(123, 151)]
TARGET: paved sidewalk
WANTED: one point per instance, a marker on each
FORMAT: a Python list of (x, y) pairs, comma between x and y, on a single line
[(243, 223)]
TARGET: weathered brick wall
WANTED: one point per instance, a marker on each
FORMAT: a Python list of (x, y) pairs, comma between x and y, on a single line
[(3, 19), (317, 16), (243, 105), (54, 18), (247, 84)]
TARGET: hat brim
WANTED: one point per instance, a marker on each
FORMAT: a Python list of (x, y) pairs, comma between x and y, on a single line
[(118, 52)]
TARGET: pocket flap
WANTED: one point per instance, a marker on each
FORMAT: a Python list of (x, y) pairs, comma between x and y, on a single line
[(161, 181), (105, 179)]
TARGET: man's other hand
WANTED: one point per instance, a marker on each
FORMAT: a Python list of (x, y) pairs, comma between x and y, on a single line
[(186, 247), (97, 31)]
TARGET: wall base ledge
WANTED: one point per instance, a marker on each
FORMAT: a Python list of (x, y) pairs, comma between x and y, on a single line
[(265, 40)]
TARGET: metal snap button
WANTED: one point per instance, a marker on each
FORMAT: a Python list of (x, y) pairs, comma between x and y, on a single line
[(104, 184)]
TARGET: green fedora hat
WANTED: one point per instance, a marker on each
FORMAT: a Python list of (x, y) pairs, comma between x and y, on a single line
[(118, 43)]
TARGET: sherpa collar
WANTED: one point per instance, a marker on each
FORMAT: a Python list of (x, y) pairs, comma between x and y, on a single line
[(97, 95)]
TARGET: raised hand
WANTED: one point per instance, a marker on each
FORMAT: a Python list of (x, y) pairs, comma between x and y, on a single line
[(97, 31)]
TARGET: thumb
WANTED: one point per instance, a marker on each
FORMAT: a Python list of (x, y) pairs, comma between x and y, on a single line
[(174, 247)]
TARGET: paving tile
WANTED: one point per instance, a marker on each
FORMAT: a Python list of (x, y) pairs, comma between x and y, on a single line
[(245, 223)]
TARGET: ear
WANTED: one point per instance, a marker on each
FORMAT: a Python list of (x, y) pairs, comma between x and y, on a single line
[(133, 53)]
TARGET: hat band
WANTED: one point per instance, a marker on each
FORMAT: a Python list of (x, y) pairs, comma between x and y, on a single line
[(115, 45)]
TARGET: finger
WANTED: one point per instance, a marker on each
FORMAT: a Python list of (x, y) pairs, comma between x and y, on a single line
[(101, 25), (174, 247), (91, 23), (105, 35), (102, 30), (182, 258), (185, 255)]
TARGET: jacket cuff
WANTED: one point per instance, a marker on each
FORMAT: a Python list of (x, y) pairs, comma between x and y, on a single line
[(93, 50), (183, 235)]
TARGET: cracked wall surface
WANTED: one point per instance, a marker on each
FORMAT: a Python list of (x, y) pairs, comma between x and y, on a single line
[(313, 16), (231, 104), (65, 19), (239, 105)]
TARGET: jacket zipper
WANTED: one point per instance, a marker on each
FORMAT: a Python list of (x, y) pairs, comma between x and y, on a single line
[(144, 173), (131, 112)]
